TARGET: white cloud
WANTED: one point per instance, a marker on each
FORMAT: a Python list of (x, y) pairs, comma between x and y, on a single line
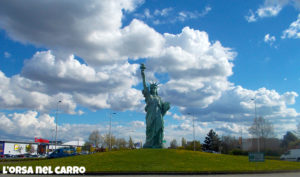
[(251, 17), (268, 11), (186, 15), (164, 12), (169, 15), (30, 124), (293, 31), (198, 70), (271, 8), (235, 105), (7, 55), (21, 93), (84, 31), (95, 88), (138, 124), (147, 13), (269, 39), (69, 75), (182, 117), (27, 125)]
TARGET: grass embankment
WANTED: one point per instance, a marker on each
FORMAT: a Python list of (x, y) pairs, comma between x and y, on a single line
[(164, 160)]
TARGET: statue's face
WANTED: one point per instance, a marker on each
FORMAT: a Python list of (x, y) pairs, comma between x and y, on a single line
[(153, 90)]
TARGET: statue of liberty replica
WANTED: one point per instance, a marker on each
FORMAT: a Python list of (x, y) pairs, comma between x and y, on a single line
[(155, 111)]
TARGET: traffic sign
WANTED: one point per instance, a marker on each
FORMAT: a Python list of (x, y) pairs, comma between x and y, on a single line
[(256, 157)]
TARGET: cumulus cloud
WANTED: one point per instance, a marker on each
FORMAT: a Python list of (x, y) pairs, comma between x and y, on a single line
[(293, 31), (80, 28), (237, 104), (21, 93), (95, 88), (30, 124), (197, 69), (69, 75)]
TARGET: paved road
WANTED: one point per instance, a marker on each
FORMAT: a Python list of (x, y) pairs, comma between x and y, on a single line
[(292, 174)]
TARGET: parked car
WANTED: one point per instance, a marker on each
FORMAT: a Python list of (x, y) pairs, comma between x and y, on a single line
[(42, 156), (63, 152), (8, 156), (27, 155), (291, 155), (21, 156)]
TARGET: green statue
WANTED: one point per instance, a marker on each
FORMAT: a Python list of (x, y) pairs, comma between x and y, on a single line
[(155, 109)]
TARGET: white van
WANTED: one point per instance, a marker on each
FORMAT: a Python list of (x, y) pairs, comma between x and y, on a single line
[(291, 155)]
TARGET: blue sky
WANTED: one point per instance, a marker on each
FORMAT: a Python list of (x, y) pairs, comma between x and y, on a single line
[(210, 58)]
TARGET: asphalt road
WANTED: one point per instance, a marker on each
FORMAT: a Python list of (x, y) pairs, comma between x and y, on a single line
[(291, 174)]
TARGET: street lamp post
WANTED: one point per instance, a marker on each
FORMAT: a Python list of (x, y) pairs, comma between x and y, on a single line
[(258, 143), (56, 123), (193, 131), (110, 130)]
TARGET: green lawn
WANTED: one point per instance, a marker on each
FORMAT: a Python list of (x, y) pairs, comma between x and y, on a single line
[(163, 160)]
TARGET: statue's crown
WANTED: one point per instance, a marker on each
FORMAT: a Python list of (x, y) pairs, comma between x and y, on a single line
[(153, 85)]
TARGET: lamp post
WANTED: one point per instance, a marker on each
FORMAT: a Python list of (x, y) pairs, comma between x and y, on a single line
[(258, 145), (193, 130), (110, 130), (56, 123)]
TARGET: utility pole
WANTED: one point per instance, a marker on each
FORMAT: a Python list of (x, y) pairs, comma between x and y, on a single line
[(258, 136), (193, 130)]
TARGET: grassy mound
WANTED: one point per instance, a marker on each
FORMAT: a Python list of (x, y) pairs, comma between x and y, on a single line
[(163, 160)]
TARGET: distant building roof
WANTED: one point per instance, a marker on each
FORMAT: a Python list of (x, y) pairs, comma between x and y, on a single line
[(74, 143)]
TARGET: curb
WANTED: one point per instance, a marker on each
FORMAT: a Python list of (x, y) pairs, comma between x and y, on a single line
[(188, 173)]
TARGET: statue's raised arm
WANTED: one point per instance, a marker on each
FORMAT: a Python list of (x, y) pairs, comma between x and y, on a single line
[(142, 67)]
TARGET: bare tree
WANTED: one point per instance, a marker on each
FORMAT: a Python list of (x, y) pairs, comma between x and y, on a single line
[(229, 143), (173, 144), (108, 139), (121, 143), (262, 129), (95, 138)]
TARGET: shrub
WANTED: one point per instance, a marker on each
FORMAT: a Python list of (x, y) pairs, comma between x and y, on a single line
[(238, 152)]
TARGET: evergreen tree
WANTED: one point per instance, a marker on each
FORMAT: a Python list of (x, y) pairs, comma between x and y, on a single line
[(183, 142), (130, 143), (288, 138), (212, 141)]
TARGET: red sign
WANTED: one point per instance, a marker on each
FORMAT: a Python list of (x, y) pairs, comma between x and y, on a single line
[(40, 140)]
